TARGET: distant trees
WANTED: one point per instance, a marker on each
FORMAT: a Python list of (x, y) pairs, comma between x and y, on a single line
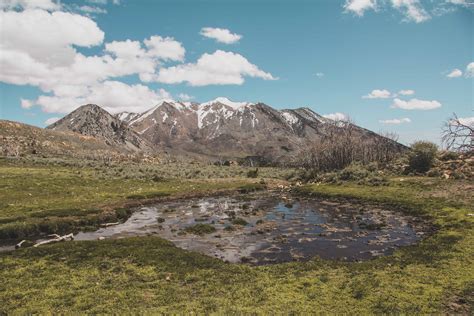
[(343, 143), (458, 134)]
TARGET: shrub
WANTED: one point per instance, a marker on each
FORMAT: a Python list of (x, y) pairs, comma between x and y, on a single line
[(353, 172), (252, 173), (239, 221), (200, 229), (422, 156)]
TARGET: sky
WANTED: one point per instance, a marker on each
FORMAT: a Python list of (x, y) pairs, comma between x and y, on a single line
[(400, 66)]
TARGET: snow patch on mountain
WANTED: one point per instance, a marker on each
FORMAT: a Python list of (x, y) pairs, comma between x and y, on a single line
[(290, 118), (225, 101)]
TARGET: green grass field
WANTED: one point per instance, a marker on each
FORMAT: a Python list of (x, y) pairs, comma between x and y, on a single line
[(51, 199), (150, 275)]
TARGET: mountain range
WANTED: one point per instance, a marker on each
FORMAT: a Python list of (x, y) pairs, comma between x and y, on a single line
[(218, 129)]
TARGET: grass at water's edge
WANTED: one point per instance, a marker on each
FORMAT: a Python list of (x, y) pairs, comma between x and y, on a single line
[(148, 274), (36, 200)]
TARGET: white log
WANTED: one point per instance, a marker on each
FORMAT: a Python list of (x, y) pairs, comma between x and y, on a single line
[(18, 245), (109, 224), (56, 239)]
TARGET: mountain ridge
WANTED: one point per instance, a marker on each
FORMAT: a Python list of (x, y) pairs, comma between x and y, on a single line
[(218, 129)]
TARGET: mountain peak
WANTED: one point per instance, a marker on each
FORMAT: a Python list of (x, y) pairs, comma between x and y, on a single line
[(93, 120), (226, 101)]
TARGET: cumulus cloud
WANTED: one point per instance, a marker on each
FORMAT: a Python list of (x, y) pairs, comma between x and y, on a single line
[(165, 48), (396, 121), (455, 73), (319, 74), (51, 120), (220, 35), (412, 9), (378, 94), (185, 97), (114, 96), (218, 68), (415, 104), (47, 37), (358, 7), (470, 70), (39, 48), (337, 116), (406, 92)]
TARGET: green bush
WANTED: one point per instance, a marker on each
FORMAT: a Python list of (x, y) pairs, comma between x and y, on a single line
[(200, 229), (422, 156), (353, 172)]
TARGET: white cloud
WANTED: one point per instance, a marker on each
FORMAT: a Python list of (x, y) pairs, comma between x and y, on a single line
[(114, 96), (359, 7), (51, 120), (47, 37), (396, 121), (337, 116), (469, 121), (455, 73), (220, 35), (91, 9), (378, 94), (26, 104), (412, 9), (470, 70), (217, 68), (38, 48), (30, 4), (415, 104), (406, 92), (319, 74), (185, 97), (165, 48)]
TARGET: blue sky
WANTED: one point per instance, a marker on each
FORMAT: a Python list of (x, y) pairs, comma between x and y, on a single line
[(391, 65)]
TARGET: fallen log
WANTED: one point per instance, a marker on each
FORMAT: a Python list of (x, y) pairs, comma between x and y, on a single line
[(56, 238), (18, 245), (109, 224)]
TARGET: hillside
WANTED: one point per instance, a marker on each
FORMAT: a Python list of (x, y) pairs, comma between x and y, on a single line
[(18, 139), (92, 120)]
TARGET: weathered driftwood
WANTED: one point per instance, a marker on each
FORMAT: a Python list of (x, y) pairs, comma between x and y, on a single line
[(18, 245), (109, 224), (55, 239)]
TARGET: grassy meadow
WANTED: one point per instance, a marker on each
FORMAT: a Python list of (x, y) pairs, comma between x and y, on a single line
[(151, 275)]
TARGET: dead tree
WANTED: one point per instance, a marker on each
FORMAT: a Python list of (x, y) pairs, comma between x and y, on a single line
[(458, 134)]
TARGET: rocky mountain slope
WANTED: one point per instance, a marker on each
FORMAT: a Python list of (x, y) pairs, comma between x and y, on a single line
[(18, 139), (92, 120), (218, 130), (224, 129)]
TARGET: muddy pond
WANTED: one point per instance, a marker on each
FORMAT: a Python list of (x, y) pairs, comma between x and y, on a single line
[(271, 228)]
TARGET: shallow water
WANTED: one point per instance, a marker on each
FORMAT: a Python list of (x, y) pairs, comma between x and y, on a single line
[(280, 228)]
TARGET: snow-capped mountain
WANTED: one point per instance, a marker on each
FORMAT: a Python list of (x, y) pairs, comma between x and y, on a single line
[(225, 128), (219, 128)]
